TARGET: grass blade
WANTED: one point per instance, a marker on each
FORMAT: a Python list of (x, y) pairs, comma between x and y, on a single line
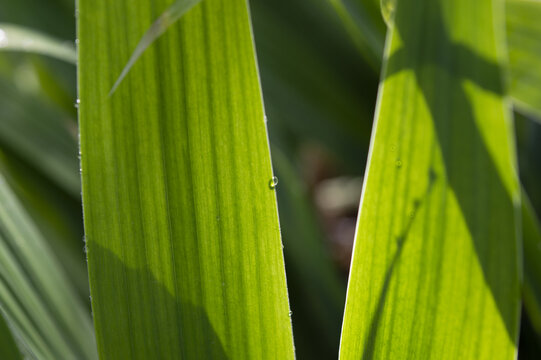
[(387, 11), (39, 133), (18, 38), (166, 19), (184, 250), (435, 270), (362, 20), (56, 215), (43, 311), (523, 34)]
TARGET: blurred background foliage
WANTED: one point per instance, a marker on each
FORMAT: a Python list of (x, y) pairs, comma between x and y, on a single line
[(319, 64)]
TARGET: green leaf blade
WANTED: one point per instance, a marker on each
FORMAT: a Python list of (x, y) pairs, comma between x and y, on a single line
[(523, 34), (523, 46), (39, 134), (18, 38), (181, 225), (435, 265), (366, 30), (47, 318), (166, 19)]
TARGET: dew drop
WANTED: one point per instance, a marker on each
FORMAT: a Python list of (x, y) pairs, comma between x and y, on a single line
[(290, 313), (398, 163), (77, 103), (273, 182)]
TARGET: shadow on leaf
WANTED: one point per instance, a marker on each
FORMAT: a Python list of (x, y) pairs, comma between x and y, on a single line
[(441, 67), (149, 321)]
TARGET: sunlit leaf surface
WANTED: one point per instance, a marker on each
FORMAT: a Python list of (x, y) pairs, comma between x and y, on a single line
[(184, 250), (435, 272), (166, 19)]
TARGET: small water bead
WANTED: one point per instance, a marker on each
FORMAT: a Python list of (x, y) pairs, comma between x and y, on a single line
[(273, 182), (398, 163), (290, 313), (77, 103)]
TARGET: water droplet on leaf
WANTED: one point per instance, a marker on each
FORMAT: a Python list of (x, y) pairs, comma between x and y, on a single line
[(273, 182)]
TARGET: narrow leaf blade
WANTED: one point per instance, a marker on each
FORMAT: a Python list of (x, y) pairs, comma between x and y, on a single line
[(184, 250), (523, 36), (365, 28), (48, 319), (523, 45), (166, 19), (435, 270), (18, 38), (39, 134)]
